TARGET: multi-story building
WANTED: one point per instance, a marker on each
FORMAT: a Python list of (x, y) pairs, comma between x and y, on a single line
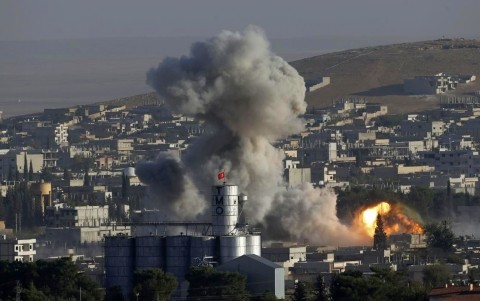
[(421, 129), (435, 84), (79, 225), (60, 135), (79, 216), (453, 162), (17, 249)]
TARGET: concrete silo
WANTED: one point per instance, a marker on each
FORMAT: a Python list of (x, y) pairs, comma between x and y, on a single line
[(119, 263), (176, 246)]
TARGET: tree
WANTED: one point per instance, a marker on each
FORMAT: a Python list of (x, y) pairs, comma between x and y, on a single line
[(321, 292), (439, 236), (380, 237), (86, 178), (30, 171), (265, 297), (125, 186), (208, 284), (435, 275), (25, 167), (46, 280), (80, 162), (46, 175), (303, 292), (154, 285), (421, 198), (385, 284)]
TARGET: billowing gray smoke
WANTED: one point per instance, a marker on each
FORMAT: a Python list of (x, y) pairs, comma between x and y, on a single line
[(167, 180), (248, 98)]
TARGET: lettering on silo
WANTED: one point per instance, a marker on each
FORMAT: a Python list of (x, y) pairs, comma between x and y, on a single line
[(219, 203), (219, 200)]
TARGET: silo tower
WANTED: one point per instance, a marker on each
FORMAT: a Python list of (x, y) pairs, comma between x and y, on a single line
[(224, 209)]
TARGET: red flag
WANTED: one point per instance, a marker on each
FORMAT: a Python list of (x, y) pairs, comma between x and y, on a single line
[(221, 175)]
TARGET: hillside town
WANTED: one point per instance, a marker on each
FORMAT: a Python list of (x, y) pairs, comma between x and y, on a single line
[(69, 186)]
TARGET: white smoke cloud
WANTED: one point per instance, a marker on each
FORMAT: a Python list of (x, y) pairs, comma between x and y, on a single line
[(249, 98)]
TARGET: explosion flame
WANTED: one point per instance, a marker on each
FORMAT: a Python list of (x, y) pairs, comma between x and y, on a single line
[(396, 218)]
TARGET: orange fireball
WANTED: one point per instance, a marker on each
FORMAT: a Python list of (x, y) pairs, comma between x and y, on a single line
[(369, 216), (394, 217)]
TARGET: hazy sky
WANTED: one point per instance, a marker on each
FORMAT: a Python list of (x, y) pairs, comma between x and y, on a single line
[(54, 19), (54, 71)]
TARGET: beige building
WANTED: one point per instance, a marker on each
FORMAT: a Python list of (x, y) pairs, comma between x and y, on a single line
[(14, 160)]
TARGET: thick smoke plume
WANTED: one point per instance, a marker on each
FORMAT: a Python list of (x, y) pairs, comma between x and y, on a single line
[(248, 98)]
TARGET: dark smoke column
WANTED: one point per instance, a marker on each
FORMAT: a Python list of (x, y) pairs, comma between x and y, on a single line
[(248, 98)]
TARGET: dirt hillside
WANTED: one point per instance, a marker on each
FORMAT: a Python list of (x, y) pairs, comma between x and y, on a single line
[(377, 73)]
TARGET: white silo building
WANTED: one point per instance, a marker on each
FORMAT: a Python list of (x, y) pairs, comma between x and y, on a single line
[(176, 246)]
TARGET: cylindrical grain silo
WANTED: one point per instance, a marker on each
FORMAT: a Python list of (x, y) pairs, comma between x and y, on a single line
[(178, 256), (224, 209), (150, 252), (232, 247), (254, 245), (119, 257), (200, 248)]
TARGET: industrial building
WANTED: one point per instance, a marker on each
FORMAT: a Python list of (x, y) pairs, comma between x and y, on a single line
[(262, 274), (176, 246)]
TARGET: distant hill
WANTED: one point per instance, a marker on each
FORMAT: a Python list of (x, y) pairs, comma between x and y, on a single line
[(377, 73)]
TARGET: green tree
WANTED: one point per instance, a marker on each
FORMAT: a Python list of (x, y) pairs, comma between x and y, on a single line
[(31, 293), (86, 178), (46, 174), (303, 292), (380, 237), (47, 280), (383, 285), (321, 291), (435, 275), (25, 167), (80, 162), (30, 171), (208, 284), (421, 198), (154, 285), (125, 186), (439, 235), (265, 297)]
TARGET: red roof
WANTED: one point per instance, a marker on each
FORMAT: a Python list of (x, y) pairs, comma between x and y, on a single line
[(455, 293)]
